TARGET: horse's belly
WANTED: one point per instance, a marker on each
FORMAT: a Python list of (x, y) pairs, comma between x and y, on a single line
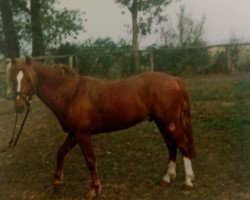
[(116, 126), (121, 120)]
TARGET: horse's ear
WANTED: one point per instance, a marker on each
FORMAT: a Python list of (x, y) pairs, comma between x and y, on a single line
[(13, 61), (28, 60)]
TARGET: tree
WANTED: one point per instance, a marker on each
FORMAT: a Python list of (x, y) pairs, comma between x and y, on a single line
[(38, 47), (43, 26), (144, 14), (190, 33), (10, 39), (1, 38), (187, 32)]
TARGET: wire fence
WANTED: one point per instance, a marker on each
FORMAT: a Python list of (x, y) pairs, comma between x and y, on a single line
[(225, 58)]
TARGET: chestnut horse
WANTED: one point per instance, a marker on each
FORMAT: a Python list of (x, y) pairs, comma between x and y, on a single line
[(85, 106)]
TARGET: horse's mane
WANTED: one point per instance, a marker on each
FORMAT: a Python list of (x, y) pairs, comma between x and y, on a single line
[(64, 71)]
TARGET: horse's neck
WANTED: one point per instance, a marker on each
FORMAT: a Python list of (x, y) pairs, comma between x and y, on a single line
[(51, 88)]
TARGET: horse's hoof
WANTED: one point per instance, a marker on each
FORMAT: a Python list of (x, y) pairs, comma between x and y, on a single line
[(187, 187), (90, 195), (165, 184), (57, 187), (172, 176)]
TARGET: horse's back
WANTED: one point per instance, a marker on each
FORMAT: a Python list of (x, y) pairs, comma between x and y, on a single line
[(148, 95), (161, 88)]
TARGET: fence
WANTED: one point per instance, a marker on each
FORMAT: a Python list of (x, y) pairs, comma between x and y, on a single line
[(213, 49), (68, 60), (191, 60), (201, 60)]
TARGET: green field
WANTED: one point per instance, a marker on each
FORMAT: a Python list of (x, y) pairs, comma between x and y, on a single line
[(132, 162)]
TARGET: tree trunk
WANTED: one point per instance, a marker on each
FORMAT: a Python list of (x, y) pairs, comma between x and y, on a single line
[(181, 26), (2, 50), (38, 47), (11, 44), (135, 45)]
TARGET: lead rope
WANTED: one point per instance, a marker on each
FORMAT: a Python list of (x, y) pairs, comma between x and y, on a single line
[(13, 132), (11, 142), (21, 128)]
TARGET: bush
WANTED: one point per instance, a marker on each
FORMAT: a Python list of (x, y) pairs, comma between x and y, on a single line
[(219, 63), (181, 61), (101, 57)]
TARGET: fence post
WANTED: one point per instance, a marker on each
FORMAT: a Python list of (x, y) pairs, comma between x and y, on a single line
[(151, 57), (71, 60), (76, 64), (230, 65)]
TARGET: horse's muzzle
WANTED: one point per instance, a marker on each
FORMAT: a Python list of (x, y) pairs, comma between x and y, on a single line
[(20, 104)]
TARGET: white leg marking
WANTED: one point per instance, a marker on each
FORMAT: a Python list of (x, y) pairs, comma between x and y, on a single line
[(188, 171), (19, 78), (171, 173)]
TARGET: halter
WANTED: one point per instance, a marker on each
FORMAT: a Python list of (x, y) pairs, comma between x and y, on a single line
[(26, 97)]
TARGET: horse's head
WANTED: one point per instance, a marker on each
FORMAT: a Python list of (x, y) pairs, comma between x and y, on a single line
[(22, 79)]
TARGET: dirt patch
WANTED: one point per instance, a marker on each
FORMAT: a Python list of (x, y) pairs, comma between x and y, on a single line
[(228, 103)]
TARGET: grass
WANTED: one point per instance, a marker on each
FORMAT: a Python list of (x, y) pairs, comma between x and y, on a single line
[(132, 162), (222, 125)]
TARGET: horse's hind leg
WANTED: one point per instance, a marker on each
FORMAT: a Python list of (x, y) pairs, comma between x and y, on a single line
[(68, 144), (172, 149), (185, 145), (175, 137)]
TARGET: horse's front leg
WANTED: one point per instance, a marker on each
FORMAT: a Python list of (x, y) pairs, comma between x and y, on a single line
[(68, 144), (85, 142)]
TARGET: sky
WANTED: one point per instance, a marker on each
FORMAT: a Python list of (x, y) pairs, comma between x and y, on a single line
[(224, 18)]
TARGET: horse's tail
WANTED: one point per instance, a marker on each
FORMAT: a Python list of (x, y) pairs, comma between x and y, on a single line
[(185, 117)]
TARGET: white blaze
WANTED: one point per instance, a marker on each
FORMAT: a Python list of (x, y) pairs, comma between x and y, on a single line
[(19, 78)]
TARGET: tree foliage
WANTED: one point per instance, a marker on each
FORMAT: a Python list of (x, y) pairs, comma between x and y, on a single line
[(56, 24), (149, 13), (188, 32), (59, 24)]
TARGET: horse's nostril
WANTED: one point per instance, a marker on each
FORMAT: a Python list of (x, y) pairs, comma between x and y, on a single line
[(19, 106)]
